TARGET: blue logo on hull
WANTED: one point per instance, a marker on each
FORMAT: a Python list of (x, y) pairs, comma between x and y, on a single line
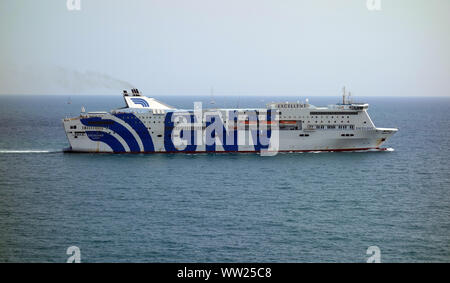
[(215, 128), (169, 125)]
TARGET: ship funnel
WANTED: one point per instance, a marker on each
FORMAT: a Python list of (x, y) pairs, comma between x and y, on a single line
[(135, 91)]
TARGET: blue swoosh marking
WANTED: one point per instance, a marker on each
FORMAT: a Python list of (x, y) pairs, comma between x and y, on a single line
[(140, 129), (126, 135), (115, 145)]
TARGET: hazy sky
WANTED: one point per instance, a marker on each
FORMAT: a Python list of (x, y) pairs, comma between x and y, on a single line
[(240, 47)]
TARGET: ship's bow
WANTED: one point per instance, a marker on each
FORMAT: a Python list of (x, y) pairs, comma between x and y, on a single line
[(383, 134)]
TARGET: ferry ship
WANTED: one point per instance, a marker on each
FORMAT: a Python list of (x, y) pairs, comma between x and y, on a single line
[(146, 125)]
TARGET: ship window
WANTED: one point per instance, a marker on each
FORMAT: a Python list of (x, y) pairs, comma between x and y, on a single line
[(334, 113)]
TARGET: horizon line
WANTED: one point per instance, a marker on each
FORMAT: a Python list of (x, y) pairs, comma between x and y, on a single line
[(225, 95)]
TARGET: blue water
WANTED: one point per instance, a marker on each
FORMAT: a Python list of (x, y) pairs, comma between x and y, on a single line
[(310, 207)]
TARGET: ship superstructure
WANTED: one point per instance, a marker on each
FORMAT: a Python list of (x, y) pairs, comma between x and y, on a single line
[(147, 125)]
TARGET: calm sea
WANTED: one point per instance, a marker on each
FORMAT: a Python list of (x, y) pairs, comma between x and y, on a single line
[(303, 207)]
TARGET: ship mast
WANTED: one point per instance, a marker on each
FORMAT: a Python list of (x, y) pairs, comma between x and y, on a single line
[(343, 95), (212, 96)]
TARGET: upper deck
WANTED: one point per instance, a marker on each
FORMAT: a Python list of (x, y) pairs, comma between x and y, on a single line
[(139, 104)]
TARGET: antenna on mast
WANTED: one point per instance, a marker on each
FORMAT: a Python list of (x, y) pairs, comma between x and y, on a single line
[(212, 96), (343, 95)]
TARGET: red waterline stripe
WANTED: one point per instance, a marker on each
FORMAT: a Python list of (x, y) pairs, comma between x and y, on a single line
[(250, 151)]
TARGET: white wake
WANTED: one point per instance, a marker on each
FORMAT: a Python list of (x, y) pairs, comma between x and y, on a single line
[(28, 151)]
